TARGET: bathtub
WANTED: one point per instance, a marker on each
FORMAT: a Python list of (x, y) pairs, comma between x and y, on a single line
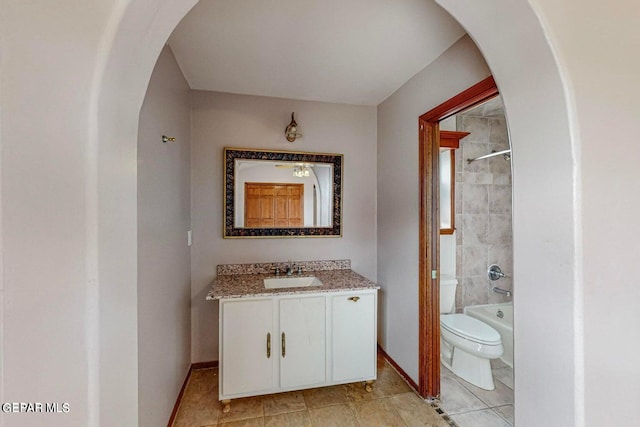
[(490, 314)]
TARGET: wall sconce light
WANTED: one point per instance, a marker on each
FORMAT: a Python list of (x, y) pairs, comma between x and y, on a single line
[(291, 132)]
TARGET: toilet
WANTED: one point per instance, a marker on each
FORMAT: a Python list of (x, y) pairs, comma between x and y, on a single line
[(466, 344)]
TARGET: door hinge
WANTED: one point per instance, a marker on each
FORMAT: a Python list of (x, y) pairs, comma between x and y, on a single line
[(434, 274)]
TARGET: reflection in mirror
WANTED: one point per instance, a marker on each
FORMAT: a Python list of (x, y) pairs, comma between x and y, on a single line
[(283, 194), (276, 193)]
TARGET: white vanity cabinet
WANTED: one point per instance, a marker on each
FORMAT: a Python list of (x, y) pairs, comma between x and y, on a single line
[(302, 329), (247, 334), (291, 342), (353, 328)]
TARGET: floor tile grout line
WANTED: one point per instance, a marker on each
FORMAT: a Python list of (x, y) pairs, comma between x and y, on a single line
[(480, 400), (462, 383), (189, 390), (488, 405), (490, 409), (503, 383), (445, 416), (466, 412), (500, 415), (478, 397)]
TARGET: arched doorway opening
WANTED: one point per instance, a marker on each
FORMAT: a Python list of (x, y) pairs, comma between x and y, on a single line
[(539, 124)]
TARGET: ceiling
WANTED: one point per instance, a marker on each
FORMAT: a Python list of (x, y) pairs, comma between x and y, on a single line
[(343, 51)]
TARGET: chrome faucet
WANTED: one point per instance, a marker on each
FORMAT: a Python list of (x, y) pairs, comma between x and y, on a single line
[(288, 269), (276, 268)]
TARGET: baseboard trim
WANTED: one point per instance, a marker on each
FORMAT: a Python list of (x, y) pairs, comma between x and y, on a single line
[(205, 365), (194, 366), (172, 418), (398, 369)]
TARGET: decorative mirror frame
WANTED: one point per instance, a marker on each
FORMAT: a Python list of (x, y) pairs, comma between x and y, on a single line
[(231, 231)]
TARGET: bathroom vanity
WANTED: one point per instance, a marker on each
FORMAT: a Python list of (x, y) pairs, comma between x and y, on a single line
[(310, 329)]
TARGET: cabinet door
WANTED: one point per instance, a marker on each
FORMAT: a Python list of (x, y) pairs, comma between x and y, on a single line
[(354, 336), (303, 354), (245, 364)]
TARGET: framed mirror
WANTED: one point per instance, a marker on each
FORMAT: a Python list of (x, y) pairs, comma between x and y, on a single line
[(282, 194)]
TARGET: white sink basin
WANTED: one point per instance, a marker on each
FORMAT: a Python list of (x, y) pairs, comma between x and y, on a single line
[(291, 282)]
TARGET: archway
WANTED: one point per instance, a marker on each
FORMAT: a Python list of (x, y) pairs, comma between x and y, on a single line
[(513, 42)]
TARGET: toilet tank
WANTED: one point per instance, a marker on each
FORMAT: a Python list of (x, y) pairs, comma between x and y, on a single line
[(448, 294)]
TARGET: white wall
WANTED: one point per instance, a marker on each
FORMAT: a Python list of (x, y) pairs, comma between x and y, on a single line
[(594, 53), (133, 34), (398, 192), (46, 65), (545, 218), (73, 77), (226, 120), (164, 259)]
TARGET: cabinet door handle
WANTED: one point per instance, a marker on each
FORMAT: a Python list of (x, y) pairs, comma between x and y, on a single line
[(354, 299), (284, 344), (268, 345)]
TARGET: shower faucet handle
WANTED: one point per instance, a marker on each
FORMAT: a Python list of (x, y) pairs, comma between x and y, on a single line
[(494, 272)]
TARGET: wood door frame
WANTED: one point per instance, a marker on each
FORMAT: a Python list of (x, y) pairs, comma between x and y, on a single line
[(429, 231)]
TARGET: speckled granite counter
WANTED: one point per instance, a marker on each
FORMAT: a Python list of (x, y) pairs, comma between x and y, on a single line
[(341, 278)]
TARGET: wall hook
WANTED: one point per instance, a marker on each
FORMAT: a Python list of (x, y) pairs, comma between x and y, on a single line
[(166, 139)]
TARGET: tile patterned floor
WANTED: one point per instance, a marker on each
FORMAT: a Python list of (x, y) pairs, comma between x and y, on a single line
[(470, 406), (391, 403)]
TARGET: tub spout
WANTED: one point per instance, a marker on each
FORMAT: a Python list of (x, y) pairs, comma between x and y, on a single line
[(501, 291)]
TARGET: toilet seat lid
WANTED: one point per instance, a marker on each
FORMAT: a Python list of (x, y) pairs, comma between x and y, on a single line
[(470, 328)]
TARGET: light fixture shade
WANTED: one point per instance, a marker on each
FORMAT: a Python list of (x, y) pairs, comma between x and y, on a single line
[(301, 171), (291, 131)]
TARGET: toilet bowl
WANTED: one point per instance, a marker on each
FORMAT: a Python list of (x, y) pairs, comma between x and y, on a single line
[(467, 344)]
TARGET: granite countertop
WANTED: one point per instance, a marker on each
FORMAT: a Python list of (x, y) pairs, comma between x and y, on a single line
[(252, 285)]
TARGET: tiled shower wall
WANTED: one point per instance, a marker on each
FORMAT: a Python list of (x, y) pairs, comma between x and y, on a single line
[(483, 208)]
